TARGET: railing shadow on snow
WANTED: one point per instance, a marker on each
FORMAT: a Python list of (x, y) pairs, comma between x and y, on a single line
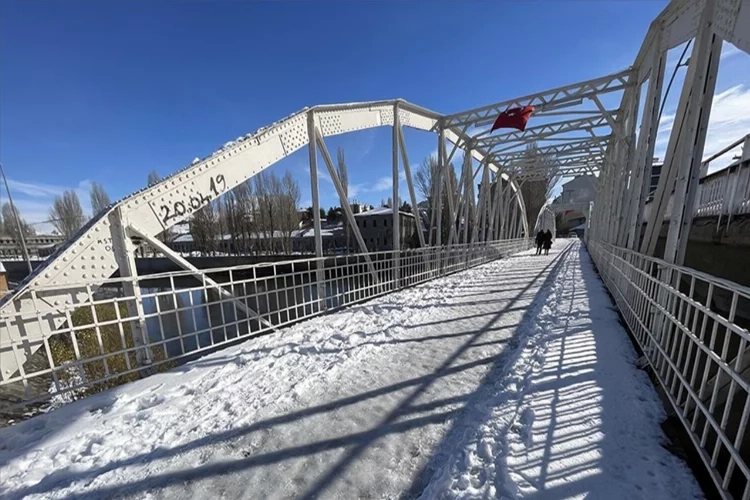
[(571, 409), (454, 441)]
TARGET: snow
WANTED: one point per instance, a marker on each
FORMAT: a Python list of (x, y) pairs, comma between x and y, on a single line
[(381, 211), (513, 379)]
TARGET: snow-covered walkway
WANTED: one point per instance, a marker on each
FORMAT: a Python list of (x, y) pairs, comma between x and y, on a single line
[(513, 379)]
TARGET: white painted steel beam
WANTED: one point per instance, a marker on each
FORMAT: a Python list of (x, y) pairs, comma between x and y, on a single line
[(705, 56), (315, 192), (544, 131), (686, 119), (183, 263), (646, 143), (542, 100), (586, 144)]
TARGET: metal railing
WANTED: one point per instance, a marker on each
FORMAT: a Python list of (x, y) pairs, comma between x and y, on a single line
[(182, 316), (725, 193), (692, 328)]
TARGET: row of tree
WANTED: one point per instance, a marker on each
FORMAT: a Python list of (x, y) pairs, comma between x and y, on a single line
[(256, 216), (66, 214)]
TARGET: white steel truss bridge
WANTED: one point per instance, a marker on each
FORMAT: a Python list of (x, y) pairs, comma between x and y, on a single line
[(605, 127)]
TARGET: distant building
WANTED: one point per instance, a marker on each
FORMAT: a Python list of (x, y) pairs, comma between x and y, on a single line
[(38, 245), (582, 189), (656, 168), (302, 241), (332, 237), (575, 196), (376, 227), (655, 174)]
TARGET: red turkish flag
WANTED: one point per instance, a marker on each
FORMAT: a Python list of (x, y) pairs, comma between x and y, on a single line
[(513, 118)]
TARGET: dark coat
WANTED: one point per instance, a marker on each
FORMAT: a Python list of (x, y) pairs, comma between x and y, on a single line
[(540, 237), (547, 240)]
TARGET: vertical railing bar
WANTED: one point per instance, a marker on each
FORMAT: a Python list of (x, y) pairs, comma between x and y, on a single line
[(176, 304), (45, 339), (97, 329)]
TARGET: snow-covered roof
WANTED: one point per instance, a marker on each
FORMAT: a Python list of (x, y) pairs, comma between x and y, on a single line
[(587, 179), (381, 211), (297, 233)]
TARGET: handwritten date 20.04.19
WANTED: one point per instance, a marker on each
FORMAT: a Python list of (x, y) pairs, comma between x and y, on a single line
[(168, 212)]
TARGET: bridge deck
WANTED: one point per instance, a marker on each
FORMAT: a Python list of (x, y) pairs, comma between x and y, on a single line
[(511, 378)]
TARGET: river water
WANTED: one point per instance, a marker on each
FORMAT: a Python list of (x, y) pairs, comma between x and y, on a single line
[(196, 319)]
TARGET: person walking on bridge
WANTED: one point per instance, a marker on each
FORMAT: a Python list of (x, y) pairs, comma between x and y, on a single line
[(547, 241), (539, 242)]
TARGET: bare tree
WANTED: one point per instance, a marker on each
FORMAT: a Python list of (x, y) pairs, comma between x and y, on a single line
[(12, 220), (265, 213), (245, 201), (204, 229), (99, 198), (425, 178), (66, 214), (168, 235), (238, 211), (288, 201), (153, 178), (538, 175), (343, 174), (276, 216), (221, 225), (449, 188), (424, 175)]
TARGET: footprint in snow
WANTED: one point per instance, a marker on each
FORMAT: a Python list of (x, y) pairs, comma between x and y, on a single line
[(149, 402)]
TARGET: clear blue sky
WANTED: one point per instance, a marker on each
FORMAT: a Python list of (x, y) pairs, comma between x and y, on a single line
[(108, 91)]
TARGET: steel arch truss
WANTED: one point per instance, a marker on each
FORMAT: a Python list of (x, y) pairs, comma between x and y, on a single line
[(44, 301), (570, 128), (626, 169)]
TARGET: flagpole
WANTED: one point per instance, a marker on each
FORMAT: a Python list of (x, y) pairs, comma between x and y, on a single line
[(16, 216)]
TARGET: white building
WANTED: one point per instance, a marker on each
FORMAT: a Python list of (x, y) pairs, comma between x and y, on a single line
[(582, 189)]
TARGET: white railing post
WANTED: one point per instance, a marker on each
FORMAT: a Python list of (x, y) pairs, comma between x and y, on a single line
[(706, 55), (686, 120), (124, 251), (438, 185), (315, 192), (396, 247), (647, 142)]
